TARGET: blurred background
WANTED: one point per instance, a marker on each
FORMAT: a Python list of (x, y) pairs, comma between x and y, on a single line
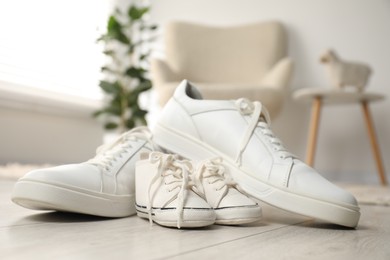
[(50, 70)]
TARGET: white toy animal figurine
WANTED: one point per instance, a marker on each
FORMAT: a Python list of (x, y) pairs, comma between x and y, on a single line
[(345, 73)]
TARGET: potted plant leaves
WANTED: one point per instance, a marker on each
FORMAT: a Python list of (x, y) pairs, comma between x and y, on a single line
[(127, 46)]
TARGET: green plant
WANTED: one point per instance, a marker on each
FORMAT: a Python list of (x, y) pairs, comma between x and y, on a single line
[(127, 42)]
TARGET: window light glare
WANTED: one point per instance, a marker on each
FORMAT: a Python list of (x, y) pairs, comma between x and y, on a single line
[(51, 45)]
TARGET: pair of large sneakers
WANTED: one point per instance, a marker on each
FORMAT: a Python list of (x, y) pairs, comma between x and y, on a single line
[(175, 192)]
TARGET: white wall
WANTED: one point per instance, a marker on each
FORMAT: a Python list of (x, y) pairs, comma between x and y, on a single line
[(49, 121), (40, 127), (36, 137), (357, 29)]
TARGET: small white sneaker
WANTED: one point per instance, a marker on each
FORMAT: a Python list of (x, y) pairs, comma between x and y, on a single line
[(164, 194), (102, 186), (230, 205), (239, 132)]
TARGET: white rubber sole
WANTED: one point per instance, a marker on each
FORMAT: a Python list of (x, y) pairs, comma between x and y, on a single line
[(191, 148), (237, 215), (43, 196), (192, 218)]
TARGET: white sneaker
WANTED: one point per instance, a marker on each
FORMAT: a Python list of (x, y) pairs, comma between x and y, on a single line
[(221, 193), (164, 194), (239, 132), (102, 186)]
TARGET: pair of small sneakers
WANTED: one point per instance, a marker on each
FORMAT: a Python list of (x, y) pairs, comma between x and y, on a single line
[(177, 192)]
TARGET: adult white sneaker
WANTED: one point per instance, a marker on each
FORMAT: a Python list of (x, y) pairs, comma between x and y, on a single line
[(102, 186), (230, 205), (164, 193), (239, 132)]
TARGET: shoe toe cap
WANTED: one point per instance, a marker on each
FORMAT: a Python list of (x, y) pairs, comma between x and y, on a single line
[(193, 201), (195, 209), (82, 176), (234, 198), (306, 181)]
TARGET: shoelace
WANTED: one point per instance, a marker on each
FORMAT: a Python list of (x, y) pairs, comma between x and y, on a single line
[(214, 172), (260, 119), (170, 165), (108, 154)]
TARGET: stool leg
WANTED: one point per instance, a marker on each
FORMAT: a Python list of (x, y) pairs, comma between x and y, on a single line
[(374, 143), (313, 130)]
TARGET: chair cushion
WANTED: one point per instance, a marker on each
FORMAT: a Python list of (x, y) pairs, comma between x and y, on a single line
[(239, 54)]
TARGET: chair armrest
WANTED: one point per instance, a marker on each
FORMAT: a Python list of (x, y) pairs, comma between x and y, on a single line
[(280, 74), (161, 72)]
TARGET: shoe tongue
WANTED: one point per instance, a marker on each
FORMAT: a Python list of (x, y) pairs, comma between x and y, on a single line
[(264, 116), (216, 180), (191, 90), (263, 119)]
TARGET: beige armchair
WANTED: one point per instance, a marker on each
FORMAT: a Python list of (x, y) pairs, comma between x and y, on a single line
[(226, 62)]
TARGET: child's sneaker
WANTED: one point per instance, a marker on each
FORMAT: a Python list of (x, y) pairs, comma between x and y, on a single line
[(164, 195), (230, 205)]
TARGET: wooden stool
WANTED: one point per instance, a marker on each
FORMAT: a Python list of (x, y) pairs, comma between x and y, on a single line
[(319, 96)]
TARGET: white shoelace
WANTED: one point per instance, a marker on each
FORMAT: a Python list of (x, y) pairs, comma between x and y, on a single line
[(259, 120), (214, 172), (169, 165), (108, 154)]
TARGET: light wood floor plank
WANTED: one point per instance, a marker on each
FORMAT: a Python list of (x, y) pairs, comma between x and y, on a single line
[(28, 234), (311, 240)]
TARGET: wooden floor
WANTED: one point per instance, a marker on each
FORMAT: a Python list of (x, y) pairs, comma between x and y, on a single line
[(28, 234)]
